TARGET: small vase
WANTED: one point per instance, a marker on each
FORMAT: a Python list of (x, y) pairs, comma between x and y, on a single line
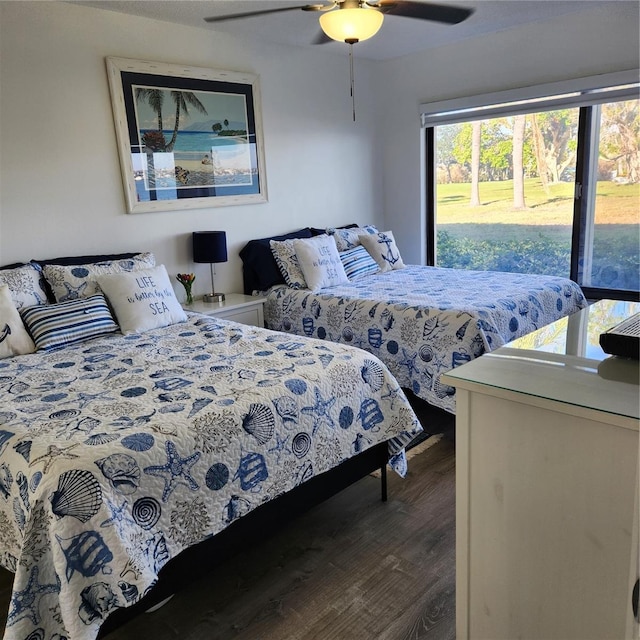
[(189, 296)]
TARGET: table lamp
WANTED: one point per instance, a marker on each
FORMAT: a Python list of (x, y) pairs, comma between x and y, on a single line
[(211, 247)]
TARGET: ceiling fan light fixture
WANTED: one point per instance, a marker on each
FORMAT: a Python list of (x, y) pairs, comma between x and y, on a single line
[(353, 25)]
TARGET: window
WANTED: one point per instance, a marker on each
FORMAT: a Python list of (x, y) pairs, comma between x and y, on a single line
[(539, 185)]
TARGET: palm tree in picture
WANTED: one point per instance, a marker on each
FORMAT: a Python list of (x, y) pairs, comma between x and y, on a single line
[(155, 98), (182, 100)]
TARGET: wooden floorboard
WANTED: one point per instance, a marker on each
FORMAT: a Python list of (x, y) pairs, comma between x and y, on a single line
[(352, 568)]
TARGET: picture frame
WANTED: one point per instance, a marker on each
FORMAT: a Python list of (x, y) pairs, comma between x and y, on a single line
[(188, 137)]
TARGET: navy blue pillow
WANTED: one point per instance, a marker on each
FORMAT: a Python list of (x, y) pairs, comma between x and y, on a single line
[(319, 232), (260, 270)]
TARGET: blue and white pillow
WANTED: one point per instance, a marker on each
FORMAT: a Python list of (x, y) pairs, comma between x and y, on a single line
[(80, 281), (285, 256), (26, 286), (58, 325), (320, 263), (383, 249), (350, 238), (142, 300), (357, 263)]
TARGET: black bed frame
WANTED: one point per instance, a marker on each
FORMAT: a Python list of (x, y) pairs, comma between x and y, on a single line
[(195, 562)]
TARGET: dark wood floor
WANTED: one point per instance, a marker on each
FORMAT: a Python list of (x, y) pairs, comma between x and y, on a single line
[(352, 568)]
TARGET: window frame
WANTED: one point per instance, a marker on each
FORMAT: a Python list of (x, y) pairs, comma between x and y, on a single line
[(588, 101)]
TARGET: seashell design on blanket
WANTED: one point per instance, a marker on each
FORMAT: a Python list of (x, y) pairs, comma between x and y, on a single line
[(146, 512), (138, 441), (122, 471), (78, 495), (372, 374), (259, 422), (97, 600), (301, 444), (286, 408)]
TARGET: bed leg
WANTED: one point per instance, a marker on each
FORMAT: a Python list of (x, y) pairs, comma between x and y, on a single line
[(383, 482)]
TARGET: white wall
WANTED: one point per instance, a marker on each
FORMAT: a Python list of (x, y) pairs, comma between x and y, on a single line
[(60, 185), (587, 43)]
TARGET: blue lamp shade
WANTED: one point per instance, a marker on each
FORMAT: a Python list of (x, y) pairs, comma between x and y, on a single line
[(211, 247)]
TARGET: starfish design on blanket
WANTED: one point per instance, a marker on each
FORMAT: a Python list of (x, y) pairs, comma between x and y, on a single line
[(409, 361), (319, 411), (25, 603), (119, 517), (176, 471), (54, 453), (279, 446)]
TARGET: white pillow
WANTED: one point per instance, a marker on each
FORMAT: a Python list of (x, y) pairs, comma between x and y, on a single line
[(287, 260), (320, 263), (383, 249), (80, 281), (14, 339), (143, 299)]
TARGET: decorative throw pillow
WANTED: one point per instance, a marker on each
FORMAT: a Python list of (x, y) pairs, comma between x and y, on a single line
[(320, 263), (357, 263), (285, 255), (143, 299), (80, 281), (25, 285), (383, 249), (14, 339), (63, 323), (349, 238)]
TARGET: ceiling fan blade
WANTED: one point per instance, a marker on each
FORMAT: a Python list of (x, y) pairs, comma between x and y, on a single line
[(321, 38), (424, 11), (249, 14)]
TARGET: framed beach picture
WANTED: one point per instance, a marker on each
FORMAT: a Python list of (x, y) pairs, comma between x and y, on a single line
[(188, 137)]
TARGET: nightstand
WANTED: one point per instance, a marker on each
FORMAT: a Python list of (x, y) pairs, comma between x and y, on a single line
[(236, 307)]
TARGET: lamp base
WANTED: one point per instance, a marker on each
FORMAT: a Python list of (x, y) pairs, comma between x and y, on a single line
[(213, 297)]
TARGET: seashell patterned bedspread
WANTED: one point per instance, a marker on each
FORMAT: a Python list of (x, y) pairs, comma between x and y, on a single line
[(424, 321), (118, 453)]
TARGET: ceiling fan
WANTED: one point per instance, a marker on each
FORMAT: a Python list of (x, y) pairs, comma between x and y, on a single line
[(353, 21)]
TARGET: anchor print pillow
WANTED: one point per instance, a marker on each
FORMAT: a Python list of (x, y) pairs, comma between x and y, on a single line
[(80, 281), (143, 299), (14, 339), (26, 286), (383, 249)]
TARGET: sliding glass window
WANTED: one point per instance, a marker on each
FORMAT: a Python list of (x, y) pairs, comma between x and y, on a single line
[(537, 189)]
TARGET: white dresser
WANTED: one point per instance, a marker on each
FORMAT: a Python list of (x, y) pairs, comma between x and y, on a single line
[(547, 480)]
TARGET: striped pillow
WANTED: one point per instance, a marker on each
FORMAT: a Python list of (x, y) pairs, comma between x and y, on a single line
[(357, 262), (58, 325)]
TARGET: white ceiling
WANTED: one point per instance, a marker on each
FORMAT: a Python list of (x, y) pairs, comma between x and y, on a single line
[(398, 36)]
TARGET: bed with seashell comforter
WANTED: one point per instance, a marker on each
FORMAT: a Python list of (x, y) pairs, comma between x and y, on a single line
[(424, 321), (119, 453)]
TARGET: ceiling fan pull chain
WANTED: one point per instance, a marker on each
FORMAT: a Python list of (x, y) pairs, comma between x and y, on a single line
[(353, 94)]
